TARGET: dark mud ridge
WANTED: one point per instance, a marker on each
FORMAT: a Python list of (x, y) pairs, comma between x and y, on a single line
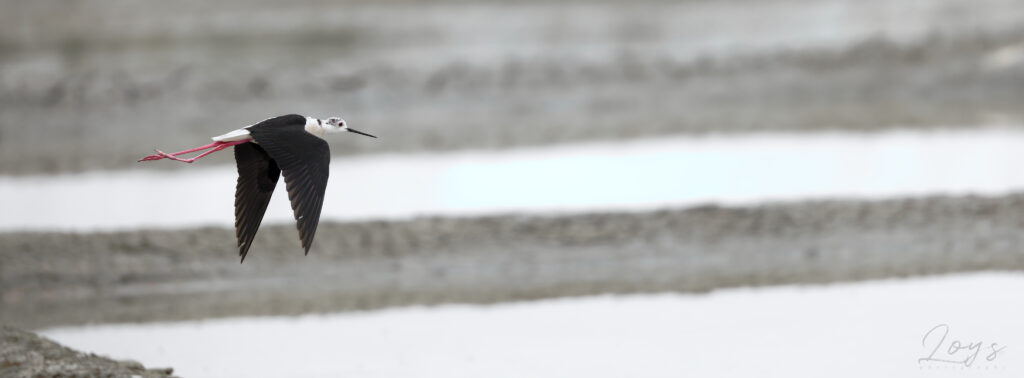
[(25, 354), (60, 279)]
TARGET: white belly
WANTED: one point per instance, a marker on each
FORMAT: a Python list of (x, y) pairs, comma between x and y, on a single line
[(236, 135)]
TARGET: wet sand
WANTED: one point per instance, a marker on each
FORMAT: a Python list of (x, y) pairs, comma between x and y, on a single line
[(24, 354), (53, 279), (75, 95)]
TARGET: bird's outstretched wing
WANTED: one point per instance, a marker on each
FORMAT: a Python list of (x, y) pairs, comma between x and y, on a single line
[(304, 160), (257, 177)]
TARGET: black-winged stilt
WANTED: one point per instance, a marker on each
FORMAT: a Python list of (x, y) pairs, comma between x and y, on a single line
[(291, 145)]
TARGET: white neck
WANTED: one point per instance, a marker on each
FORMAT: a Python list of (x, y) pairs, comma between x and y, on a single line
[(314, 126)]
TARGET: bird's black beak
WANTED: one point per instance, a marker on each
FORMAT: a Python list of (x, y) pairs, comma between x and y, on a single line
[(359, 132)]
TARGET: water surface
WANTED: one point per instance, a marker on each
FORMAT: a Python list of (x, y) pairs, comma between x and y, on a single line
[(636, 175), (850, 330)]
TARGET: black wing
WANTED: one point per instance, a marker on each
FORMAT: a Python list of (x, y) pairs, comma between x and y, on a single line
[(257, 177), (304, 160)]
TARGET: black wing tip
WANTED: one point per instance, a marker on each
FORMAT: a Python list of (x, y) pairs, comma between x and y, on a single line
[(307, 232)]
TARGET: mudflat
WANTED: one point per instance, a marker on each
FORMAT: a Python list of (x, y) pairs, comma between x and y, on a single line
[(77, 94), (49, 279)]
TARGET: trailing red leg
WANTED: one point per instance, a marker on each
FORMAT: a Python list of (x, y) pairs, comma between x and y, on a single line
[(214, 147)]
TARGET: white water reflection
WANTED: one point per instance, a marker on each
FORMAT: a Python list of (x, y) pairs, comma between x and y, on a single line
[(851, 330), (633, 175)]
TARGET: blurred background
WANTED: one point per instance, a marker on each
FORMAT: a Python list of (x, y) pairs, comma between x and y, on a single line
[(615, 165)]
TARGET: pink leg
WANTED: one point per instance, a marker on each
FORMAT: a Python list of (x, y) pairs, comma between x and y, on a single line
[(200, 148), (216, 146), (175, 158), (158, 157)]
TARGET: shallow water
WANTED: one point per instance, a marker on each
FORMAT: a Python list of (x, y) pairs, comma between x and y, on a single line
[(637, 175), (849, 330)]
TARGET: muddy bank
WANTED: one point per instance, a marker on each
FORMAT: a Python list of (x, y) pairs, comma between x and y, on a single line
[(76, 95), (51, 279), (25, 354)]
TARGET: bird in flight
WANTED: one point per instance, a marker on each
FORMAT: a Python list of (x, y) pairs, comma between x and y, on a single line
[(290, 145)]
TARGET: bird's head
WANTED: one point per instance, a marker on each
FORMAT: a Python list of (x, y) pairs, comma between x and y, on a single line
[(337, 125)]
